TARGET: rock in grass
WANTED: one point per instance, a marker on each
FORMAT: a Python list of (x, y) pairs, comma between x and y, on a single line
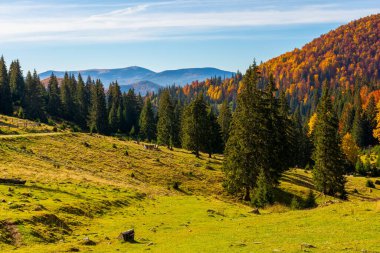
[(307, 246), (88, 242), (255, 211), (127, 236)]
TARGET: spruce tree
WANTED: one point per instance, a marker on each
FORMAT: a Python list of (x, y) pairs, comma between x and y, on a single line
[(255, 145), (34, 98), (165, 125), (358, 128), (130, 112), (329, 161), (195, 126), (224, 120), (147, 122), (214, 140), (67, 97), (115, 107), (80, 101), (6, 106), (98, 110), (54, 101), (17, 83)]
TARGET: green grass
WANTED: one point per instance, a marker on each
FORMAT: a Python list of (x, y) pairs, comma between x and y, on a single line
[(84, 186)]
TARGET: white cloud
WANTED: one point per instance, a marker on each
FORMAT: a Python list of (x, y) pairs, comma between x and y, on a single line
[(151, 21)]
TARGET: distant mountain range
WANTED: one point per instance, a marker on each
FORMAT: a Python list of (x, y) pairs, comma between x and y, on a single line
[(142, 79)]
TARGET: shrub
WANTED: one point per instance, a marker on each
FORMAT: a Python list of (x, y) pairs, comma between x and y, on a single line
[(86, 144), (359, 167), (55, 129), (176, 185), (114, 145), (263, 193), (370, 184), (295, 204), (377, 182), (126, 153), (310, 200)]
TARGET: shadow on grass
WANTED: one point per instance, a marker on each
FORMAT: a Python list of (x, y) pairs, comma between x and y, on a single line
[(40, 188), (300, 181)]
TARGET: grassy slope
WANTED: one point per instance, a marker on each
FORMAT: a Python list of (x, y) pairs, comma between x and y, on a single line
[(82, 185)]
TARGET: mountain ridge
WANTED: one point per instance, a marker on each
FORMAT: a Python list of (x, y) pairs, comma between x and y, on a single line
[(134, 75)]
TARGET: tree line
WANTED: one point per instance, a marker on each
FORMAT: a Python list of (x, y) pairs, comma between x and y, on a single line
[(259, 134)]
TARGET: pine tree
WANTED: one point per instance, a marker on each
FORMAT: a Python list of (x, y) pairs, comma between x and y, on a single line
[(17, 83), (165, 125), (329, 160), (357, 128), (54, 102), (147, 122), (195, 126), (224, 120), (80, 101), (98, 110), (214, 140), (67, 97), (34, 98), (246, 146), (5, 90), (115, 107), (130, 112), (178, 109), (369, 122)]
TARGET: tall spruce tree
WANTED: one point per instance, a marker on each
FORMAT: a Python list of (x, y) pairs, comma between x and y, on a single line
[(358, 128), (67, 97), (329, 161), (253, 138), (17, 83), (130, 112), (195, 126), (114, 107), (54, 101), (214, 140), (165, 125), (147, 122), (6, 106), (98, 111), (224, 120), (81, 104), (34, 97)]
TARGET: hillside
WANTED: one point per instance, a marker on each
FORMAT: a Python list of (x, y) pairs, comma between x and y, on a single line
[(82, 190), (343, 57), (150, 80)]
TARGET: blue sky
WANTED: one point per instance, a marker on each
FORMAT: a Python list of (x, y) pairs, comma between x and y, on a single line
[(165, 34)]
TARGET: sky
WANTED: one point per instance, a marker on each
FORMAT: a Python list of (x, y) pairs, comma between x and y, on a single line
[(165, 34)]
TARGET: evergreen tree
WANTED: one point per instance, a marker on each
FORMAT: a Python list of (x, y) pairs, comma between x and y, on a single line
[(178, 108), (17, 84), (147, 122), (214, 140), (246, 152), (114, 105), (224, 120), (98, 110), (329, 160), (81, 104), (67, 97), (54, 102), (165, 125), (369, 122), (357, 128), (195, 126), (34, 97), (130, 112), (5, 90)]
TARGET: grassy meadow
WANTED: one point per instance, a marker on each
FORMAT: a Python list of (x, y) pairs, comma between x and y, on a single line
[(82, 190)]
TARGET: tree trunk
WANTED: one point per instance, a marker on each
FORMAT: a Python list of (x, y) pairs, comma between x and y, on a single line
[(247, 196)]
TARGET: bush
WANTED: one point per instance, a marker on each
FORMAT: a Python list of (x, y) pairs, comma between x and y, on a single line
[(114, 145), (295, 204), (86, 144), (263, 193), (55, 129), (310, 200), (370, 184), (377, 182), (176, 185)]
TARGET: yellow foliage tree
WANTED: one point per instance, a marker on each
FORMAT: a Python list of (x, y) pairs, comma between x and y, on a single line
[(376, 131), (350, 149), (312, 123)]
